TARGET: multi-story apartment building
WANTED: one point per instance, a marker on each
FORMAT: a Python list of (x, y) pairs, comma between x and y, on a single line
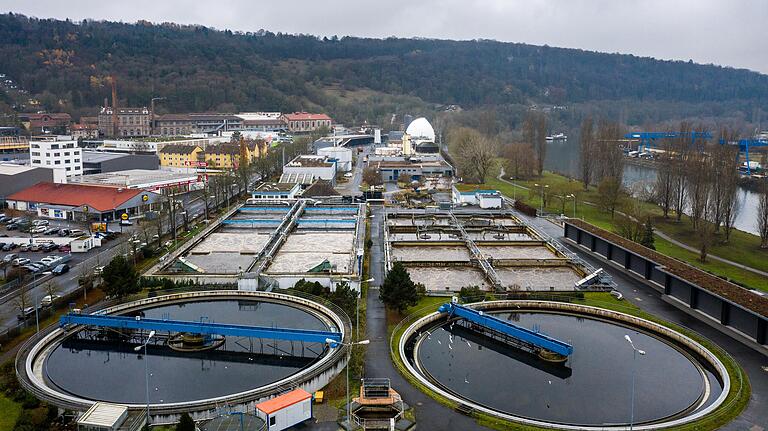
[(215, 155), (57, 152), (185, 124), (131, 122), (299, 122), (180, 155)]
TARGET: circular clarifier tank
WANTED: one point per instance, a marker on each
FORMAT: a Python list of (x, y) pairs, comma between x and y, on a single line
[(593, 388), (82, 365)]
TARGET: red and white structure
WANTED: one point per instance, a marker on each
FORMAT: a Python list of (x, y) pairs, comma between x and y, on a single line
[(285, 411)]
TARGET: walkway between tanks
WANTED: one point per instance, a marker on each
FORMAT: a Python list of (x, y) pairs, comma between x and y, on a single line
[(430, 414)]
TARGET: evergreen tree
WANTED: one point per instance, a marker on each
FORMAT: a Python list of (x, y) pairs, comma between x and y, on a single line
[(120, 277), (647, 238), (398, 291), (185, 423)]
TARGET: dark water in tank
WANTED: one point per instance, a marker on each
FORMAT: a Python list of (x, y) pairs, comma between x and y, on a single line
[(592, 388), (109, 370)]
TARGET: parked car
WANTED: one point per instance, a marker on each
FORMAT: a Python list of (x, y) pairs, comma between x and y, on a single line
[(48, 260), (26, 313), (66, 248), (40, 222), (25, 247), (51, 231), (10, 257), (31, 268), (76, 233), (4, 218), (12, 226), (34, 247), (10, 246), (38, 229), (62, 268), (47, 300), (64, 232), (19, 261), (50, 246), (39, 265)]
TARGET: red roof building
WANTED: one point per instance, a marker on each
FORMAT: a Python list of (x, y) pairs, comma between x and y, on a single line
[(47, 123), (288, 399), (104, 201), (306, 122)]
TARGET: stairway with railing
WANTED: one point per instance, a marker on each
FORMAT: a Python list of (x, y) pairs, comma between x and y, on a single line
[(486, 266)]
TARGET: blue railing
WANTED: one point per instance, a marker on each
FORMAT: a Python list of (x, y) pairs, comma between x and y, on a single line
[(122, 322), (507, 328)]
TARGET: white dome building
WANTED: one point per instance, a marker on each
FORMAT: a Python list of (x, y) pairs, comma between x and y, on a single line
[(421, 130)]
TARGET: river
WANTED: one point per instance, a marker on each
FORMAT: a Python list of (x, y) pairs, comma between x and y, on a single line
[(563, 158)]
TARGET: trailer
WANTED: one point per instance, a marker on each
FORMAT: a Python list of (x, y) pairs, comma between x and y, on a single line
[(286, 410)]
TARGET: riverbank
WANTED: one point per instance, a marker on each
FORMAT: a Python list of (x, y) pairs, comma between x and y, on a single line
[(742, 247)]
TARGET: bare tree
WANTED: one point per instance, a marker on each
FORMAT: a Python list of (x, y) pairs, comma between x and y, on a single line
[(587, 151), (698, 176), (372, 176), (474, 153), (520, 160), (725, 186), (762, 215), (535, 134), (609, 158), (51, 288), (22, 300), (681, 152), (664, 188), (609, 190)]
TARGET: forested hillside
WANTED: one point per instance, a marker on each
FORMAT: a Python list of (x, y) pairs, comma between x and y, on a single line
[(65, 65)]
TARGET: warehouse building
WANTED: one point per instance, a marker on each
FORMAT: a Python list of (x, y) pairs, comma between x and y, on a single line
[(95, 162), (14, 178), (316, 166)]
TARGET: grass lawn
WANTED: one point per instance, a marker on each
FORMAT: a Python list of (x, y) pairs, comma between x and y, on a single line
[(732, 273), (10, 413)]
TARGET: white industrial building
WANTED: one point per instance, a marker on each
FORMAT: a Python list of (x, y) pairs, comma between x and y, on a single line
[(483, 198), (166, 181), (109, 417), (342, 156), (316, 166), (285, 411), (58, 153)]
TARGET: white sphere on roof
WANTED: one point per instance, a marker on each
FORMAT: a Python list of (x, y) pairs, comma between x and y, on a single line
[(420, 128)]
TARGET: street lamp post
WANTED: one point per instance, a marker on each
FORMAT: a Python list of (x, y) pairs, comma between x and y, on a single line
[(146, 366), (333, 344), (635, 351), (573, 196), (542, 186)]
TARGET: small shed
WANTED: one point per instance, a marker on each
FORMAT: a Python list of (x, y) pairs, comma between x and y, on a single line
[(103, 417), (286, 410)]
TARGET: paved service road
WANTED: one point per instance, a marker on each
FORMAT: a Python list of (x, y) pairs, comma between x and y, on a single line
[(430, 415)]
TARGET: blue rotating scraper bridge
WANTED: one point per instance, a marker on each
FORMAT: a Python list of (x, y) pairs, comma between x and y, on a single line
[(507, 328), (205, 328)]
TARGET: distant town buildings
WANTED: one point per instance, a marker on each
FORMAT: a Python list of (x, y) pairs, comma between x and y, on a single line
[(57, 152), (187, 124), (262, 120), (131, 122), (57, 123), (302, 122)]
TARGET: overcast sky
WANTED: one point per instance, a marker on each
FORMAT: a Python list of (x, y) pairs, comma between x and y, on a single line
[(724, 32)]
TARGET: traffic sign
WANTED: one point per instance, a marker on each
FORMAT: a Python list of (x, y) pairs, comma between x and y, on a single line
[(124, 216), (144, 198)]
